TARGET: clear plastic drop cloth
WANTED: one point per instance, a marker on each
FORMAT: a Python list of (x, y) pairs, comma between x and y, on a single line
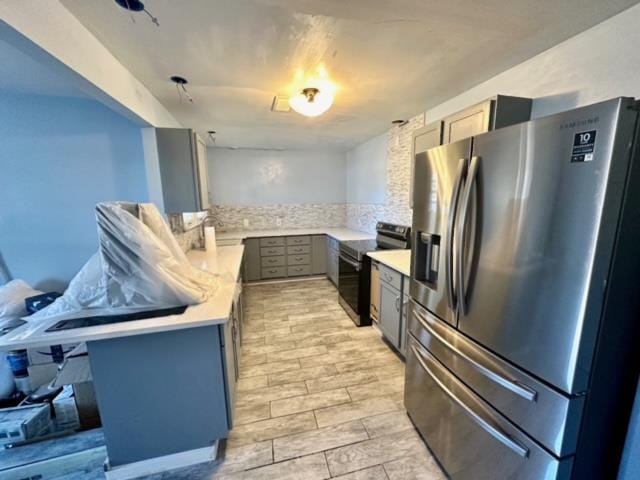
[(139, 266)]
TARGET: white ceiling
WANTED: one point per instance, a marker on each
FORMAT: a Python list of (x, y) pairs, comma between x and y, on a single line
[(391, 58)]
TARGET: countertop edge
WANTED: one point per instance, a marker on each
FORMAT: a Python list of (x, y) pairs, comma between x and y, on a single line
[(382, 257), (223, 300)]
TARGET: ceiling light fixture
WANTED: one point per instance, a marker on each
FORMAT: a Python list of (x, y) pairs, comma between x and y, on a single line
[(180, 87), (312, 101), (136, 6), (399, 123)]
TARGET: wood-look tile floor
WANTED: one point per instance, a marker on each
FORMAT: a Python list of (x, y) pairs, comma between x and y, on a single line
[(318, 397)]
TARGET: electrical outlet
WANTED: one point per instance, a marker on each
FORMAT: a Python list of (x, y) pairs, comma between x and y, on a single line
[(278, 222), (245, 222)]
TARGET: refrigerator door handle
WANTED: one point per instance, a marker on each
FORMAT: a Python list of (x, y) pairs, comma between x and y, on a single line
[(513, 385), (462, 227), (495, 432), (451, 221)]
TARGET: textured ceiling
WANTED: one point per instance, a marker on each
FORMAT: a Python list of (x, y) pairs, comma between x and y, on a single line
[(390, 58)]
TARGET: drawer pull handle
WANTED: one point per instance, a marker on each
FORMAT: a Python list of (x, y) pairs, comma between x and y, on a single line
[(499, 435), (522, 390)]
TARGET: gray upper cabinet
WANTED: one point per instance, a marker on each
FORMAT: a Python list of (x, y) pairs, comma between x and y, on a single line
[(427, 137), (424, 138), (183, 170), (496, 112), (318, 254)]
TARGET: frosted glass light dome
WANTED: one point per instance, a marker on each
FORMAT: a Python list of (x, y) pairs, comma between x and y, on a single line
[(312, 101)]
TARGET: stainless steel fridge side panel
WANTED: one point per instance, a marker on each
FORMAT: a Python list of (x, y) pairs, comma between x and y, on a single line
[(436, 172), (471, 440), (543, 413), (545, 229)]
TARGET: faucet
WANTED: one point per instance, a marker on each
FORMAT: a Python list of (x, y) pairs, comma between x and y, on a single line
[(208, 221)]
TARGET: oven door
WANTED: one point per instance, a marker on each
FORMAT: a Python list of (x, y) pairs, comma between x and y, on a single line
[(349, 280)]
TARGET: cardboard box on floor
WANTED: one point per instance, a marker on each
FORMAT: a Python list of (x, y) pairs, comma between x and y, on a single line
[(76, 371)]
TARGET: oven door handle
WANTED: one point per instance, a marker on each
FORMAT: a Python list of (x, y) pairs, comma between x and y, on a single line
[(355, 265)]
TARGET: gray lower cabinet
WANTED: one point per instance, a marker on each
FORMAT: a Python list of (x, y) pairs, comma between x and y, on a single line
[(319, 254), (403, 324), (394, 298), (270, 258), (252, 261), (230, 366), (333, 259), (390, 313)]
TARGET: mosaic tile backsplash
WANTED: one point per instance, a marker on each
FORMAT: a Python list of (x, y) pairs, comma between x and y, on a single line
[(262, 217), (357, 216)]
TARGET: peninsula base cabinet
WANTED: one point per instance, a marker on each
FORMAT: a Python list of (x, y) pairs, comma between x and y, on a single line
[(145, 423), (275, 258), (392, 310)]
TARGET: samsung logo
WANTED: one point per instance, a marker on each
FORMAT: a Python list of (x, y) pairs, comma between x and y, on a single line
[(580, 123)]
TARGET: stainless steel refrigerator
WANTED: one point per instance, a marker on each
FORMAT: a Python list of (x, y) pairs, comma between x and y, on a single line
[(521, 361)]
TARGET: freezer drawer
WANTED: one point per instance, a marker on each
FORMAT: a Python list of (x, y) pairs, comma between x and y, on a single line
[(548, 416), (469, 438)]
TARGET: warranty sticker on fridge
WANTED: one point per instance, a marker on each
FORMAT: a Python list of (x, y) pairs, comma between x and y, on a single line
[(584, 144)]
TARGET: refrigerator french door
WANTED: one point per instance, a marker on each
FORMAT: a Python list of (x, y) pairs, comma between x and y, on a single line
[(438, 180), (524, 248)]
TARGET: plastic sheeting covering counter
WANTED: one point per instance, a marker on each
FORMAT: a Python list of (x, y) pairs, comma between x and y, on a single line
[(139, 266)]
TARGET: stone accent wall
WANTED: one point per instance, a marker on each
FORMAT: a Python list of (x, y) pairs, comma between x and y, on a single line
[(362, 216), (296, 215)]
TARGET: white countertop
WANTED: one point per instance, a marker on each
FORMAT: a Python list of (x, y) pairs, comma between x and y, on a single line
[(341, 234), (399, 260), (226, 262)]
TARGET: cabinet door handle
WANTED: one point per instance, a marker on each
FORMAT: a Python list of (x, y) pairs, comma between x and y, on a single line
[(398, 304)]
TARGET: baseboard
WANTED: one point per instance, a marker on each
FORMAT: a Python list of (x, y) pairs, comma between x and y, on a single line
[(287, 280), (162, 464)]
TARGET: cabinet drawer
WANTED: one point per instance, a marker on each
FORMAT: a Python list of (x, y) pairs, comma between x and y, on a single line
[(297, 250), (274, 272), (299, 240), (299, 259), (276, 261), (299, 270), (391, 277), (271, 251), (272, 241)]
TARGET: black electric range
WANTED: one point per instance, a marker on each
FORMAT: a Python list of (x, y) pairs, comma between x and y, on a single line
[(354, 274)]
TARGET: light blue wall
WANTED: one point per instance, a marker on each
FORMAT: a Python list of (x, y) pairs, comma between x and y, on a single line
[(58, 158), (367, 172), (262, 177)]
